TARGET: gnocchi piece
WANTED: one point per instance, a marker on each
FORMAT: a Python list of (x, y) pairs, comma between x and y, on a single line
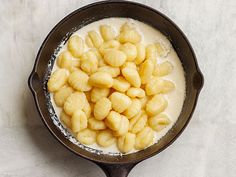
[(101, 80), (61, 95), (141, 54), (131, 36), (120, 84), (95, 38), (113, 120), (89, 42), (151, 53), (125, 27), (79, 81), (78, 121), (87, 136), (57, 80), (95, 124), (89, 62), (102, 108), (65, 60), (120, 102), (163, 69), (65, 119), (126, 142), (124, 127), (105, 138), (163, 48), (143, 101), (138, 123), (107, 32), (159, 122), (130, 50), (132, 76), (106, 46), (76, 45), (115, 57), (157, 85), (145, 71), (133, 109), (144, 138), (135, 92), (114, 72), (87, 109), (98, 93), (156, 105), (75, 101), (129, 64)]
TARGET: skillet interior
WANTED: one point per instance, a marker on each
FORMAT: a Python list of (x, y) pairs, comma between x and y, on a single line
[(94, 12)]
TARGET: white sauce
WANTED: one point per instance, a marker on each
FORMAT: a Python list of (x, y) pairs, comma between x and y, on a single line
[(149, 35)]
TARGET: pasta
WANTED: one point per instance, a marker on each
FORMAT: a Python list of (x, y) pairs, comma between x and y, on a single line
[(95, 38), (76, 45), (79, 81), (102, 108), (133, 109), (144, 138), (130, 50), (62, 94), (120, 102), (107, 32), (105, 138), (98, 93), (159, 122), (95, 124), (132, 76), (126, 142), (156, 105), (101, 80), (115, 57), (57, 80), (120, 84), (87, 136), (78, 121)]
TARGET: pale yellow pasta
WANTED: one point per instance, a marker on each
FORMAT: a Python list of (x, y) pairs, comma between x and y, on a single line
[(163, 48), (101, 80), (126, 26), (124, 127), (138, 123), (132, 76), (105, 138), (163, 69), (159, 122), (120, 84), (158, 85), (78, 121), (151, 53), (107, 32), (115, 57), (133, 109), (144, 138), (79, 81), (143, 101), (131, 36), (141, 53), (89, 62), (129, 64), (102, 108), (89, 42), (65, 60), (87, 136), (156, 105), (65, 119), (113, 71), (145, 71), (95, 38), (120, 102), (61, 95), (135, 92), (130, 50), (76, 45), (98, 93), (112, 44), (95, 124), (113, 120), (126, 142), (57, 79), (75, 101), (87, 109), (101, 63)]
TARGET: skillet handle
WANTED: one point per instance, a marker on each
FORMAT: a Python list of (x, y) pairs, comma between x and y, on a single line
[(116, 170)]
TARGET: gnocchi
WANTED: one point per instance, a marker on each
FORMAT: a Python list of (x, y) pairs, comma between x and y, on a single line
[(120, 84), (107, 32), (95, 38), (126, 142), (133, 109), (163, 69), (78, 121), (135, 92), (76, 45), (138, 123), (120, 102), (98, 93), (115, 57), (114, 72), (87, 136), (113, 120), (105, 138), (156, 105), (132, 76), (79, 81), (130, 50), (144, 138), (145, 71), (95, 124), (159, 122), (66, 120), (89, 62), (123, 128), (102, 108), (62, 94), (101, 80), (57, 80)]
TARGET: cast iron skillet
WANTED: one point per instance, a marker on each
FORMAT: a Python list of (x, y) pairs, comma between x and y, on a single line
[(116, 166)]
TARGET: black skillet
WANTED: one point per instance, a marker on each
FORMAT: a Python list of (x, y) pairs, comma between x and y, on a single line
[(114, 166)]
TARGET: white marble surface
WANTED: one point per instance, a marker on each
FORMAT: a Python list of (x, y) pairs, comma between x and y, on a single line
[(207, 148)]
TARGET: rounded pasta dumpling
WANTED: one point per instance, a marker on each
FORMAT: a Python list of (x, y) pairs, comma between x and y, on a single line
[(107, 32), (115, 57), (124, 127), (130, 50), (113, 71), (57, 79), (163, 48), (75, 101), (144, 138), (65, 119), (145, 71), (89, 62), (105, 138), (159, 122), (98, 93), (133, 109), (131, 36), (163, 69), (95, 38), (89, 42), (126, 26), (120, 102), (65, 60), (132, 76), (120, 84), (156, 105), (108, 45), (129, 64), (113, 120), (95, 124), (138, 123), (76, 45), (141, 54), (79, 81), (87, 109), (135, 92), (102, 108), (87, 136), (126, 142), (151, 53), (78, 121), (61, 95), (101, 80)]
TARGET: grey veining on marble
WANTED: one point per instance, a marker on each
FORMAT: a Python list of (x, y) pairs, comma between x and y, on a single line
[(207, 148)]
